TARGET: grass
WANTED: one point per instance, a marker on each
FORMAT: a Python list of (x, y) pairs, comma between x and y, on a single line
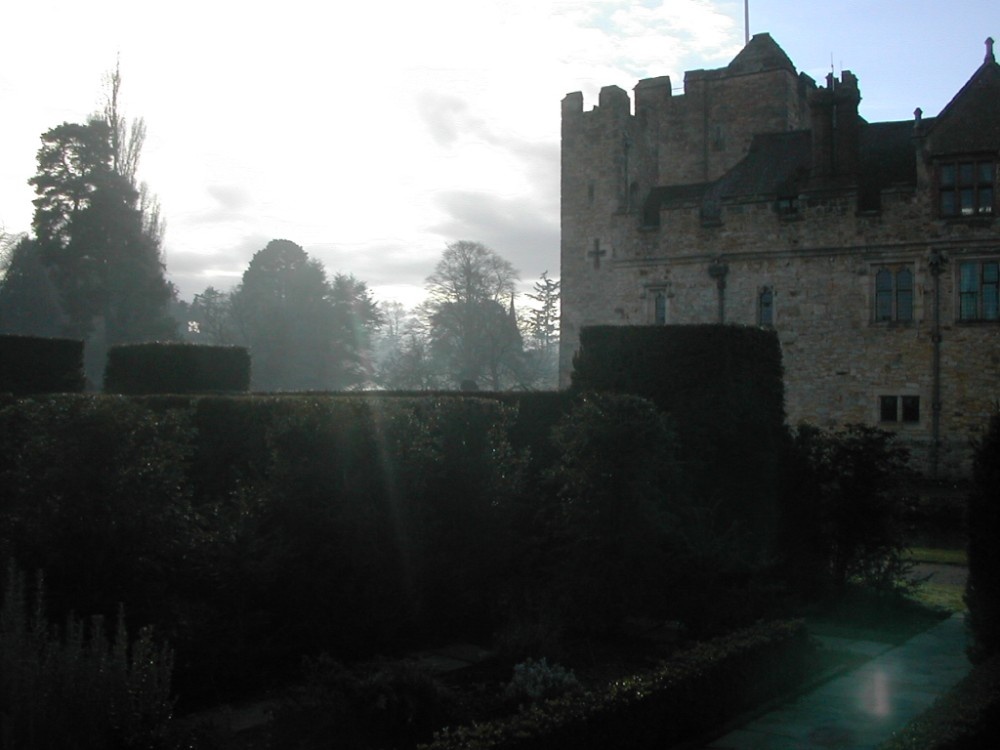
[(938, 556)]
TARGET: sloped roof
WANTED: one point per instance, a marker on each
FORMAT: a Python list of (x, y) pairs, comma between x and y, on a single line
[(760, 53), (971, 120)]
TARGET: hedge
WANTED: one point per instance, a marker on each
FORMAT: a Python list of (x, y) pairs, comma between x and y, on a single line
[(723, 387), (31, 365), (176, 368), (982, 592), (692, 693)]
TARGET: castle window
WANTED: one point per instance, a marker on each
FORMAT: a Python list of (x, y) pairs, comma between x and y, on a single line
[(659, 307), (966, 188), (893, 295), (765, 307), (904, 409), (979, 291)]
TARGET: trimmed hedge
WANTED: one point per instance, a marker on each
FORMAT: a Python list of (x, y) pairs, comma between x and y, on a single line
[(723, 387), (690, 694), (156, 367), (32, 365)]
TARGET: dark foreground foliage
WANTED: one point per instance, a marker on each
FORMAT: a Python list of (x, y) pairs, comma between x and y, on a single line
[(31, 364), (686, 696), (76, 688)]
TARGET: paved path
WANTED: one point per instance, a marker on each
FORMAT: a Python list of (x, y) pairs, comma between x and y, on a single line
[(862, 708)]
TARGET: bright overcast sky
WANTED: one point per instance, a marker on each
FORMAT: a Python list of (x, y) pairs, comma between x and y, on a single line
[(375, 135)]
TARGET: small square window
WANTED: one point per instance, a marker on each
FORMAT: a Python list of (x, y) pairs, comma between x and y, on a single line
[(899, 409), (911, 408), (887, 408)]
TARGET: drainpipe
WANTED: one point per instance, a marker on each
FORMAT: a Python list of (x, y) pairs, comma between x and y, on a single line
[(936, 265)]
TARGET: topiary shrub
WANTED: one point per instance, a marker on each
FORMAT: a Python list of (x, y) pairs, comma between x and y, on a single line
[(33, 365), (176, 368), (723, 388), (982, 593)]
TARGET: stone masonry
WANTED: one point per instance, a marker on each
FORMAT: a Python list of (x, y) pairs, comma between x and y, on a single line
[(758, 197)]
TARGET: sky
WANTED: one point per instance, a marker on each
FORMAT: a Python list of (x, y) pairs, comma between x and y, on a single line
[(374, 136)]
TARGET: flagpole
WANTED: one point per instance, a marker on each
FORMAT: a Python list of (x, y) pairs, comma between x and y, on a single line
[(746, 21)]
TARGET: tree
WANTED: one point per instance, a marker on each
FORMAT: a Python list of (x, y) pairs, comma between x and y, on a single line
[(542, 329), (304, 332), (29, 304), (470, 309), (208, 318)]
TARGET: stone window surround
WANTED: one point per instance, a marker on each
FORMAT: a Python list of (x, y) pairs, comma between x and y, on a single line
[(898, 392), (949, 182), (979, 259), (651, 292), (894, 266)]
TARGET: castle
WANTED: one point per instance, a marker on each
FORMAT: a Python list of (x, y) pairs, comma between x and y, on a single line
[(758, 197)]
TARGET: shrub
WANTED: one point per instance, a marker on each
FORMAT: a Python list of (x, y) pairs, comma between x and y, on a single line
[(615, 487), (845, 508), (982, 593), (31, 365), (176, 368), (723, 388), (93, 491), (373, 704), (77, 690), (538, 680), (697, 690)]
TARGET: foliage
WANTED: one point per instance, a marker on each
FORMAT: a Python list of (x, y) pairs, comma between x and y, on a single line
[(372, 704), (29, 302), (470, 309), (303, 332), (77, 689), (616, 487), (176, 368), (92, 490), (685, 696), (723, 388), (844, 509), (538, 680), (92, 239), (40, 365), (982, 593)]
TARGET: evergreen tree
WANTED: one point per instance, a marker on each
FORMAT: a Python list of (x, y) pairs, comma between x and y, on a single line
[(304, 333)]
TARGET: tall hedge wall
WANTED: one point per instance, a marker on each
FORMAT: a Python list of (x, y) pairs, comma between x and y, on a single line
[(723, 387), (158, 367), (30, 364)]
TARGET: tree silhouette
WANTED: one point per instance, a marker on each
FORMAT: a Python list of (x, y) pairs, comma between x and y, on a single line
[(470, 308)]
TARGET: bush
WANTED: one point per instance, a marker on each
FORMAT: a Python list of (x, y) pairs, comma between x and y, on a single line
[(697, 690), (31, 365), (93, 491), (845, 508), (373, 704), (538, 680), (77, 690), (723, 388), (616, 495), (176, 368), (982, 593)]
